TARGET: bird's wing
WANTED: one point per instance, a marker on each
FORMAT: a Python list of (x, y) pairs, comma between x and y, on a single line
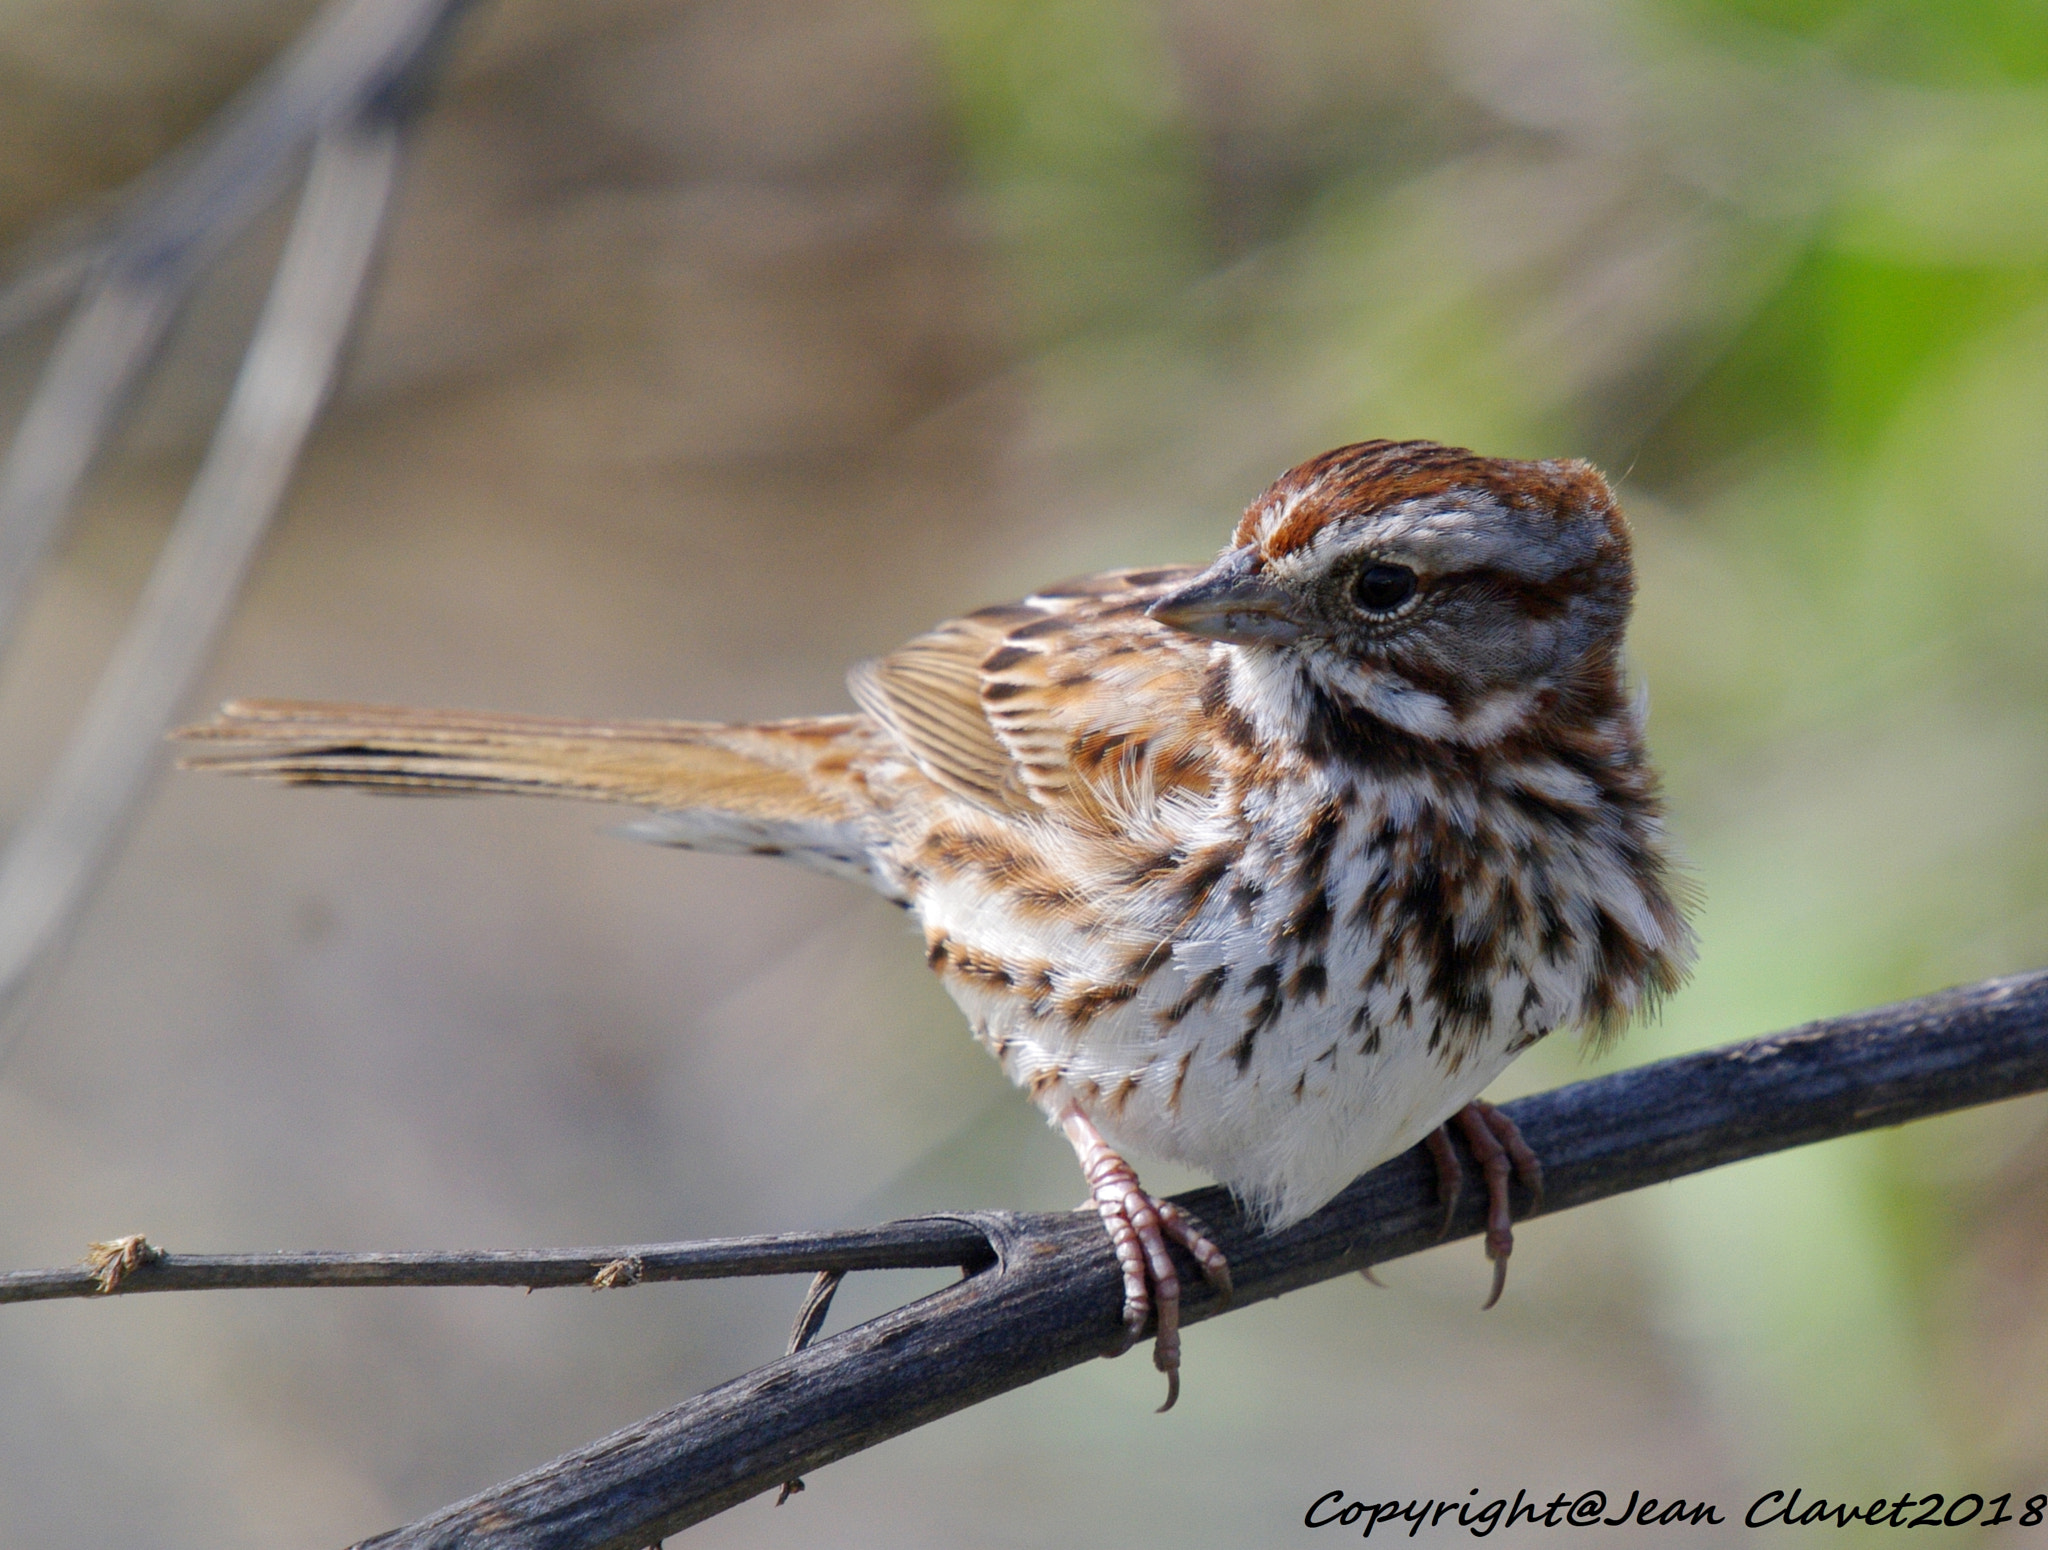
[(927, 693), (1072, 701)]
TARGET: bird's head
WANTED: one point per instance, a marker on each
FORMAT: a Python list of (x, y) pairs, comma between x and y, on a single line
[(1453, 596)]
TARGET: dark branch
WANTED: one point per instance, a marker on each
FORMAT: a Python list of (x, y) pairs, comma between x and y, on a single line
[(1048, 1294), (1053, 1299)]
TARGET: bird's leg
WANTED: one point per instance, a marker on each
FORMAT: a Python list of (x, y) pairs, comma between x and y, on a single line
[(1139, 1225), (1502, 1155)]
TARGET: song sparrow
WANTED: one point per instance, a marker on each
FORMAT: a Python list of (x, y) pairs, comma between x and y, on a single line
[(1268, 867)]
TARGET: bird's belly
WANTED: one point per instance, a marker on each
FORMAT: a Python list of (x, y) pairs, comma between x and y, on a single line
[(1294, 1016), (1316, 1104), (1273, 1081)]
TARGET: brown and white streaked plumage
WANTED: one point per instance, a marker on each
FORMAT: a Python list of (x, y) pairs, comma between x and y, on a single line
[(1268, 867)]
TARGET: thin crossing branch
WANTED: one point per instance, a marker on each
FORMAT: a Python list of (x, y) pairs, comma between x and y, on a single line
[(924, 1241)]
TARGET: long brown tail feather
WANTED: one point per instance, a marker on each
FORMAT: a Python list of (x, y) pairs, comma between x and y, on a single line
[(792, 771)]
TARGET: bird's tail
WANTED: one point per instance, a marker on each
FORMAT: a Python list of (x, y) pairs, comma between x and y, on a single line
[(776, 787)]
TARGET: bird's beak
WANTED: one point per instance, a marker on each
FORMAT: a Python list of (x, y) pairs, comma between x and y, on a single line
[(1231, 601)]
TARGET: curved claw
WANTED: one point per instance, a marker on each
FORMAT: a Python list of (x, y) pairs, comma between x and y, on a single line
[(1500, 1283), (1503, 1155)]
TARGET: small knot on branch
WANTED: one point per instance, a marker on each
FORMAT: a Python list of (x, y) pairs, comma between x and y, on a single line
[(113, 1261), (620, 1272)]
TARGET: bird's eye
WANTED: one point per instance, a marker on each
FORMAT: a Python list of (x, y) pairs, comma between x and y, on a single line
[(1380, 589)]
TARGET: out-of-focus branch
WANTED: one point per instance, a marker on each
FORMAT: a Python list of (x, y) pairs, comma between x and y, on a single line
[(343, 96), (53, 856), (136, 267), (1048, 1295)]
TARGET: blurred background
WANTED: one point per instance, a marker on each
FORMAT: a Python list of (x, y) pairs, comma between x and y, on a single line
[(720, 343)]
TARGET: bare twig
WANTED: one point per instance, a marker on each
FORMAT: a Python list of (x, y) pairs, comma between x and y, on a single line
[(54, 855), (923, 1241), (102, 351), (346, 90), (137, 268)]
